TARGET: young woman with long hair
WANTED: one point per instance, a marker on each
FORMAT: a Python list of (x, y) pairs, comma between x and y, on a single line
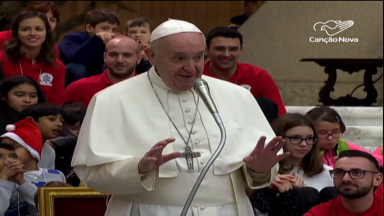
[(31, 53), (50, 9), (302, 175)]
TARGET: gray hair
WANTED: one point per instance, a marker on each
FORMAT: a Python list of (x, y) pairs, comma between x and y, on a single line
[(155, 45)]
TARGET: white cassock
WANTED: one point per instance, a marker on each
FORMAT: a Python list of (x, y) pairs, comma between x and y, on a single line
[(125, 120)]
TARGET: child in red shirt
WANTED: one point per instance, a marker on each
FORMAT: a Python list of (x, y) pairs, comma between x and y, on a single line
[(31, 53)]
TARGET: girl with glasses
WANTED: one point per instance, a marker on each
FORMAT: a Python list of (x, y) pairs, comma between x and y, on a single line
[(330, 127), (302, 175)]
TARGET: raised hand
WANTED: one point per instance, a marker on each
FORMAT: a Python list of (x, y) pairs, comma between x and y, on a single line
[(143, 47), (154, 158), (263, 158), (105, 36)]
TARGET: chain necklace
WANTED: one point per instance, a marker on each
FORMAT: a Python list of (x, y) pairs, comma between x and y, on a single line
[(22, 72), (188, 153)]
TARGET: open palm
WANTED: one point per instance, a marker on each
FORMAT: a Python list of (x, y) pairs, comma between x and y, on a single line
[(264, 157)]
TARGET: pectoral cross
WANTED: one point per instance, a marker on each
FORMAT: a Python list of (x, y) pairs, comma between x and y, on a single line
[(189, 155)]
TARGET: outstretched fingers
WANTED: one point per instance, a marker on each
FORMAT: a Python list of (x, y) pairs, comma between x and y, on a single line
[(165, 142), (171, 156), (281, 157), (277, 145), (259, 146), (158, 148)]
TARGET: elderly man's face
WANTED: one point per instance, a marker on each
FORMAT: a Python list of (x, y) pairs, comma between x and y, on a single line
[(179, 59)]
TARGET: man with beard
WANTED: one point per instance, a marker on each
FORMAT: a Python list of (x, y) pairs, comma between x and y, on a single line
[(122, 54), (355, 175)]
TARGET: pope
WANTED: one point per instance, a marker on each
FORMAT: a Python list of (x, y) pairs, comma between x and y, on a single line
[(136, 133)]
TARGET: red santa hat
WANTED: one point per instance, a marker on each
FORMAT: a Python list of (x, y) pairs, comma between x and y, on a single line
[(28, 134)]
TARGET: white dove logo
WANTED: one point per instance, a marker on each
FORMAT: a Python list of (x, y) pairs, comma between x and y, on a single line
[(331, 31)]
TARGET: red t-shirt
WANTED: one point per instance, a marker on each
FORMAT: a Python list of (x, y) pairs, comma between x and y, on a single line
[(82, 91), (336, 208), (380, 190), (7, 35), (50, 77), (257, 80)]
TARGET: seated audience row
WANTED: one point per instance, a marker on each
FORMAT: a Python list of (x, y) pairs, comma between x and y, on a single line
[(305, 181), (302, 175), (20, 174), (38, 138), (31, 52), (299, 132)]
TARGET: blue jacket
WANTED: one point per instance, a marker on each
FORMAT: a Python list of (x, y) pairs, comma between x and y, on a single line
[(80, 48)]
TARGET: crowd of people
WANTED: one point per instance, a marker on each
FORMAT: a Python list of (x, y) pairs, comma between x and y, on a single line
[(123, 89)]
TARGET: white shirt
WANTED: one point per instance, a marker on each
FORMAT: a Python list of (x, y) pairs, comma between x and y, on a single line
[(318, 181)]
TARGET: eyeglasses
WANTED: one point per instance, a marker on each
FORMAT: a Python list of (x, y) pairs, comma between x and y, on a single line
[(297, 140), (353, 173), (326, 134)]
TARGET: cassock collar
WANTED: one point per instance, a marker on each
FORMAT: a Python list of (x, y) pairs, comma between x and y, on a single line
[(156, 80)]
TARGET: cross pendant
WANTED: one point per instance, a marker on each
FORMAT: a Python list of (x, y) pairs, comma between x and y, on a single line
[(189, 155)]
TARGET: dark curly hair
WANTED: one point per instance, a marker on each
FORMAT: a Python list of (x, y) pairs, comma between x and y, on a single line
[(12, 47)]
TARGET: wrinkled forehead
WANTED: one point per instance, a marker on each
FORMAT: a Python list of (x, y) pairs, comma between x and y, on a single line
[(183, 42), (184, 36)]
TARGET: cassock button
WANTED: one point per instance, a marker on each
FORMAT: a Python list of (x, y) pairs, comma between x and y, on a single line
[(202, 163), (202, 208), (187, 110), (197, 142), (194, 131), (184, 100), (190, 122)]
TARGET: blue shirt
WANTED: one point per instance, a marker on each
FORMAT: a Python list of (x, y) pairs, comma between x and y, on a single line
[(81, 48)]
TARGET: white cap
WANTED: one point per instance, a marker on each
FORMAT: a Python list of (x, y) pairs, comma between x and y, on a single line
[(171, 27)]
